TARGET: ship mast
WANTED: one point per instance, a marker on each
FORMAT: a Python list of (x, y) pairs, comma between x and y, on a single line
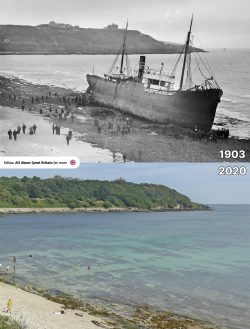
[(123, 48), (186, 52)]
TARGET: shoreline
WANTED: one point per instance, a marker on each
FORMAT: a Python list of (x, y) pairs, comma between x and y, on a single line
[(89, 210), (145, 142), (37, 306)]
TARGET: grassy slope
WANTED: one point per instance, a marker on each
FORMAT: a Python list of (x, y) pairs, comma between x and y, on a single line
[(47, 39)]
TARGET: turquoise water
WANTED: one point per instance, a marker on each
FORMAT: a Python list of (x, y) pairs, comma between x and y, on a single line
[(231, 69), (191, 262)]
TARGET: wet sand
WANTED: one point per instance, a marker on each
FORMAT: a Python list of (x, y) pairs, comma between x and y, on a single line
[(145, 142)]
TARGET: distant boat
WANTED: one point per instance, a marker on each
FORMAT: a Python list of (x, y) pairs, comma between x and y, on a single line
[(150, 94)]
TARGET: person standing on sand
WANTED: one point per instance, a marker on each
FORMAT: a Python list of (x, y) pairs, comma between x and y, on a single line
[(67, 139), (53, 128), (18, 129), (70, 133), (10, 133), (9, 305), (34, 128), (24, 128), (124, 158), (15, 134)]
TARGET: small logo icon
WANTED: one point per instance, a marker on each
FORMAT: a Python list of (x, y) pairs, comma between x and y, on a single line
[(72, 162)]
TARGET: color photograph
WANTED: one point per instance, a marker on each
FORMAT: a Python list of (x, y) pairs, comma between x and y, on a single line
[(128, 246)]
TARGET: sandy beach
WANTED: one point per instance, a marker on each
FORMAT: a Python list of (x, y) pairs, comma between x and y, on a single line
[(36, 312), (139, 141), (43, 142), (39, 313)]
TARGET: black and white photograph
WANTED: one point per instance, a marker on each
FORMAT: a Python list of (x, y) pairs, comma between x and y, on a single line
[(125, 81)]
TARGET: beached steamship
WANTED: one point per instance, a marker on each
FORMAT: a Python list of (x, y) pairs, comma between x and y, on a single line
[(150, 94)]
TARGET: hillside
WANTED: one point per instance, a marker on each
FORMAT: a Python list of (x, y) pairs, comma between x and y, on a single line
[(49, 39), (74, 193)]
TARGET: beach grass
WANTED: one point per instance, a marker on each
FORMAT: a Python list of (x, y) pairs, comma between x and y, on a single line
[(8, 323)]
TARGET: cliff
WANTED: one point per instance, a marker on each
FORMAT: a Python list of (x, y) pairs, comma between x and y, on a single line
[(49, 39)]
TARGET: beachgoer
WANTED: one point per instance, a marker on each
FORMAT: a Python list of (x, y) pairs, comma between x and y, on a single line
[(34, 128), (18, 129), (70, 133), (41, 111), (53, 128), (9, 305), (24, 128), (31, 131), (23, 107), (67, 139), (10, 133), (124, 157), (14, 134)]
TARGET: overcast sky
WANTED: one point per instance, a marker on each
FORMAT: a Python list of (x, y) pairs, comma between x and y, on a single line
[(219, 23), (200, 182)]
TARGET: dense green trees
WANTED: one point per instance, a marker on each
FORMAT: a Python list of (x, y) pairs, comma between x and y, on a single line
[(74, 193)]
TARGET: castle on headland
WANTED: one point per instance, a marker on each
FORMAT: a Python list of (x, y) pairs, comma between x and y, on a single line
[(111, 27), (64, 26)]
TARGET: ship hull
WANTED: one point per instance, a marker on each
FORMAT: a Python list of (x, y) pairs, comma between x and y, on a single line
[(184, 108)]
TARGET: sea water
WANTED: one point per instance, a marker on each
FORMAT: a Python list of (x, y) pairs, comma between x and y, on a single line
[(231, 69), (191, 262)]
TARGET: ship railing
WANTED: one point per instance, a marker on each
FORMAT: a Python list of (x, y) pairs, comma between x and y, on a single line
[(204, 86), (159, 91)]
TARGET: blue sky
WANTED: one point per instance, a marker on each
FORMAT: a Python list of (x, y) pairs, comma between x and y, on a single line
[(220, 23), (199, 181)]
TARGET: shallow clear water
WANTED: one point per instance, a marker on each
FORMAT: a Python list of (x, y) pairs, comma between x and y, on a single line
[(191, 262), (231, 69)]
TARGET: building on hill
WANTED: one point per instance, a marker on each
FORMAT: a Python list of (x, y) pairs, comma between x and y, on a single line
[(111, 27)]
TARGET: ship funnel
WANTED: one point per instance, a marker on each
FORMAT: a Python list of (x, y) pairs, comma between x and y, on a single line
[(141, 67)]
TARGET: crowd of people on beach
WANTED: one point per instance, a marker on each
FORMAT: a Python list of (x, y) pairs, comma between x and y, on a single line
[(210, 136), (108, 124), (116, 125), (17, 131)]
